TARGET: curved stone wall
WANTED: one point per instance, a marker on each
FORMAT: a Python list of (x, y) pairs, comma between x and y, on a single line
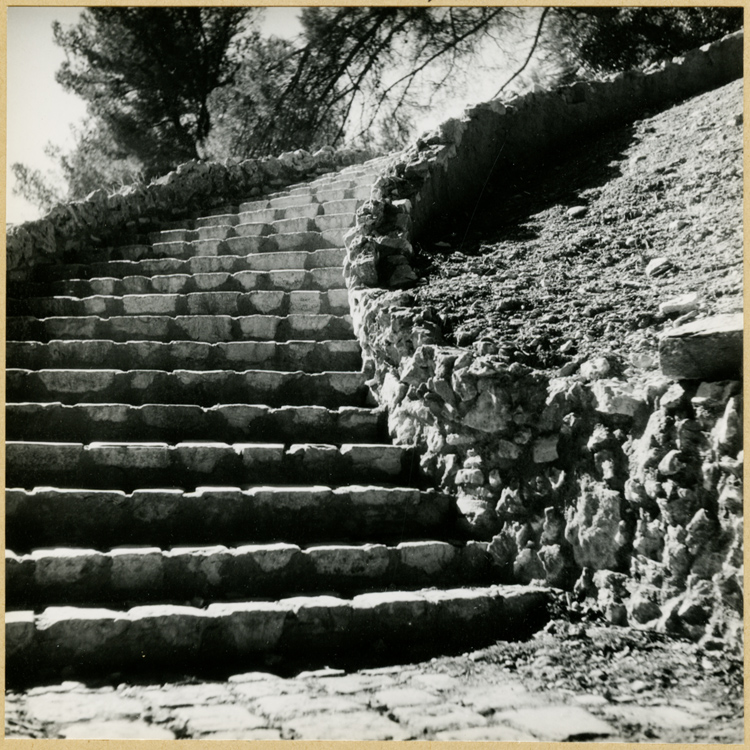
[(581, 480)]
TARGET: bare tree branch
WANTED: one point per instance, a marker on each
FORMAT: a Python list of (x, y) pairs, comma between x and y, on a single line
[(531, 52), (444, 50), (411, 75)]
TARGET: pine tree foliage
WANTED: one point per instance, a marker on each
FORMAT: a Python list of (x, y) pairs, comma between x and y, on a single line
[(147, 74), (605, 40)]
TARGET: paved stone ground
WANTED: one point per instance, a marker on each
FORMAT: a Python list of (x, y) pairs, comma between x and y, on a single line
[(483, 695), (392, 703)]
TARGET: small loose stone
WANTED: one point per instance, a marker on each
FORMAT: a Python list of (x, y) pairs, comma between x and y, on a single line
[(679, 305), (658, 266)]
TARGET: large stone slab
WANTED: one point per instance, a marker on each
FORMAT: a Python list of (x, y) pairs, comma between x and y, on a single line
[(115, 729), (80, 517), (705, 349), (293, 224), (285, 201), (218, 220), (353, 725), (334, 221), (557, 723), (77, 639), (335, 194), (261, 215), (214, 232), (305, 210)]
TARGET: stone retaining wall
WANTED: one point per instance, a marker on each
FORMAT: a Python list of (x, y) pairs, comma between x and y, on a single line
[(626, 492), (72, 229)]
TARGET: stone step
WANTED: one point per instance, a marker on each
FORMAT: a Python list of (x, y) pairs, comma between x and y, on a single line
[(199, 387), (261, 229), (277, 261), (265, 231), (284, 201), (172, 423), (209, 232), (342, 181), (283, 235), (305, 188), (317, 279), (345, 206), (334, 193), (329, 178), (101, 641), (290, 225), (297, 238), (256, 204), (332, 302), (183, 234), (85, 576), (264, 214), (328, 222), (189, 464), (48, 516), (304, 210), (336, 236), (221, 219), (216, 232), (339, 182), (705, 349), (208, 328), (307, 356), (349, 177), (307, 193)]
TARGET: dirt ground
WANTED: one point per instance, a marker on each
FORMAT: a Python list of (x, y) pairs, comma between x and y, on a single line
[(633, 679)]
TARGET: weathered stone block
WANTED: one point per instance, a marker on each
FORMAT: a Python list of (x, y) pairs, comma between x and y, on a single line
[(135, 568), (430, 558), (370, 560), (706, 349), (491, 413), (592, 527), (20, 631)]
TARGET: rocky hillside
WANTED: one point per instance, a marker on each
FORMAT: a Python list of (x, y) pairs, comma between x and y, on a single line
[(578, 273), (586, 256), (566, 362)]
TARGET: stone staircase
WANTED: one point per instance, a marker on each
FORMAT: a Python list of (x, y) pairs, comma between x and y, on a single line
[(197, 475)]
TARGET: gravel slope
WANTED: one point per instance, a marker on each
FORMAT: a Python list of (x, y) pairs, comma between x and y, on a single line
[(552, 269)]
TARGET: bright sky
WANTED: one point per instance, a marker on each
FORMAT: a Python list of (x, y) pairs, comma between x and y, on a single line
[(38, 109), (41, 112)]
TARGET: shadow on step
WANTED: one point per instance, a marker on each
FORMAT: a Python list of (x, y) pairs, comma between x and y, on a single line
[(373, 630)]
